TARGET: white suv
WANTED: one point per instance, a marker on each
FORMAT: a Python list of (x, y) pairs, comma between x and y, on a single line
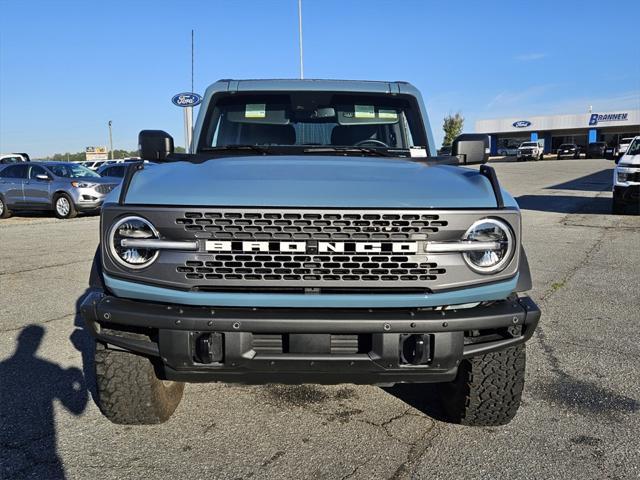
[(626, 179)]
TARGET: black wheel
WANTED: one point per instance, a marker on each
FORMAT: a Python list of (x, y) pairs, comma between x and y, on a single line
[(558, 157), (487, 390), (4, 209), (541, 156), (63, 206), (129, 392)]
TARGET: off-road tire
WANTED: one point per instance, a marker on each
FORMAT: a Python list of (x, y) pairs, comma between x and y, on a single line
[(4, 209), (72, 208), (487, 389), (129, 392)]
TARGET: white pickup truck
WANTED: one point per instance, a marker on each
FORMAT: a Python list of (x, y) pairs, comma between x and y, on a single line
[(623, 146), (530, 150), (13, 158)]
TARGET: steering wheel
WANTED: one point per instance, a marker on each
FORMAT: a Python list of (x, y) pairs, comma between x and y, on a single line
[(371, 140)]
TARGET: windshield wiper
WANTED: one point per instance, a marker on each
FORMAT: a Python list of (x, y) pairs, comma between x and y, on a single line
[(369, 151), (238, 148)]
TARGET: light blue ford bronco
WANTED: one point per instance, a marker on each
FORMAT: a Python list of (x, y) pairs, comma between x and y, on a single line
[(311, 235)]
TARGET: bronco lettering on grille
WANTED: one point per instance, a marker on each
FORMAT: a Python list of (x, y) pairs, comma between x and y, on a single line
[(302, 247)]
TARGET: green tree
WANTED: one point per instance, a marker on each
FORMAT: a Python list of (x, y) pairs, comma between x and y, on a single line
[(452, 127)]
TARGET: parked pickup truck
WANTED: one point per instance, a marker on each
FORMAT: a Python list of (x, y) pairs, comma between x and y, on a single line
[(626, 180), (530, 151), (310, 236)]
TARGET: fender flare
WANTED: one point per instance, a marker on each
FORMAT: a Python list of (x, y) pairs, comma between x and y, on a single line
[(524, 279)]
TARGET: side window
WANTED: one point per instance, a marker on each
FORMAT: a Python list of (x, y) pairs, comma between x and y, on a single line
[(118, 171), (6, 172), (37, 170), (15, 171)]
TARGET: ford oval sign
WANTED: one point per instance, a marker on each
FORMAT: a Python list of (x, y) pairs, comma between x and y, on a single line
[(186, 99), (522, 124)]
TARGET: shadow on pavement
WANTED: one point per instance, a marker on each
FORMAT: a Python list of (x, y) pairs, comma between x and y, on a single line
[(85, 344), (422, 397), (29, 386), (594, 182), (565, 204)]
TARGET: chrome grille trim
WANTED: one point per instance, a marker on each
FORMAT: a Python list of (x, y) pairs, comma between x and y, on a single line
[(105, 188)]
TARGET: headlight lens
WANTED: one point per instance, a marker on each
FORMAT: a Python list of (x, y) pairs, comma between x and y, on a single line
[(82, 184), (490, 230), (130, 228)]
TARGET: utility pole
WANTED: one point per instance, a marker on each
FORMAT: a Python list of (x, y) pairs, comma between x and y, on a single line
[(300, 38), (110, 141)]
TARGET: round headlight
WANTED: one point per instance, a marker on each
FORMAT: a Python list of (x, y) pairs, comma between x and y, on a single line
[(495, 259), (132, 228)]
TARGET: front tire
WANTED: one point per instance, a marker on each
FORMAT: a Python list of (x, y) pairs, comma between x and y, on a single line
[(129, 392), (63, 206), (487, 390), (4, 209)]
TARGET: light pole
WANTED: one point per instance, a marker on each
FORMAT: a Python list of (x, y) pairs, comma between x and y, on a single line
[(110, 141), (300, 38)]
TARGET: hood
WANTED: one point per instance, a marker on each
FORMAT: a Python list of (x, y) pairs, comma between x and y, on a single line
[(629, 160), (311, 181)]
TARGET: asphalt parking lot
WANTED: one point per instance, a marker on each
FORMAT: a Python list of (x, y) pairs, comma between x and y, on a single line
[(579, 418)]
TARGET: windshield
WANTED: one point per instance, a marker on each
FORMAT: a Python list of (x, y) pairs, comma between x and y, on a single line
[(634, 148), (72, 170), (304, 120), (529, 144)]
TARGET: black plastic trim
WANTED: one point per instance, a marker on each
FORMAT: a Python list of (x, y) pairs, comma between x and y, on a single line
[(490, 173), (525, 282)]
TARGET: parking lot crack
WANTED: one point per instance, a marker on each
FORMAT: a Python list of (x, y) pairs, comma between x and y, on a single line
[(35, 269), (69, 315)]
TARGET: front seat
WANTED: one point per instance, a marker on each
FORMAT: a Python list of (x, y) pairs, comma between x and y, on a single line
[(349, 135), (264, 134)]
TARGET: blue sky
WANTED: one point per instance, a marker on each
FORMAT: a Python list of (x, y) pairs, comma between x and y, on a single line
[(68, 67)]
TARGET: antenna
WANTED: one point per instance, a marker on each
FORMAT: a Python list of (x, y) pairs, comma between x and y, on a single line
[(300, 38)]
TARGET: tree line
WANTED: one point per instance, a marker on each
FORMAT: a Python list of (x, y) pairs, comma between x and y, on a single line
[(80, 156)]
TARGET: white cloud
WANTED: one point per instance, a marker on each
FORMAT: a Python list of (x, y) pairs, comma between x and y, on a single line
[(529, 57), (508, 98)]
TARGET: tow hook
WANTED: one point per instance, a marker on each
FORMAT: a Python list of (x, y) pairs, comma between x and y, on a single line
[(415, 349), (208, 348)]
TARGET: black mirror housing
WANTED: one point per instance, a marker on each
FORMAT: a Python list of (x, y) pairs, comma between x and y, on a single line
[(155, 145), (471, 148)]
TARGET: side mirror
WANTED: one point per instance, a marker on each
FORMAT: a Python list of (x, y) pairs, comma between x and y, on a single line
[(471, 148), (43, 176), (155, 145)]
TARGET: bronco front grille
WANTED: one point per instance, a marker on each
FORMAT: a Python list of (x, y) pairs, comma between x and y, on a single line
[(326, 268), (317, 226)]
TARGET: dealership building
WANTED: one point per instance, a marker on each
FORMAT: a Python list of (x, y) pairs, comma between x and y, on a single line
[(553, 130)]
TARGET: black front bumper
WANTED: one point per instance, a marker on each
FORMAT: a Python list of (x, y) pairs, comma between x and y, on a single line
[(262, 345), (628, 195)]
